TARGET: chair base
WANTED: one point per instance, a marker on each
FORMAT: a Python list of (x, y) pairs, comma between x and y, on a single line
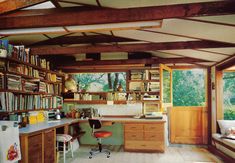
[(95, 152)]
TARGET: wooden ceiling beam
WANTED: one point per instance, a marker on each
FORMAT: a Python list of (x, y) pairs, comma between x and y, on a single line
[(226, 64), (105, 16), (129, 47), (11, 5), (83, 40), (80, 64)]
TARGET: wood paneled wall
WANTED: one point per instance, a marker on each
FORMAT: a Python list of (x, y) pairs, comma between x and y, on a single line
[(188, 125)]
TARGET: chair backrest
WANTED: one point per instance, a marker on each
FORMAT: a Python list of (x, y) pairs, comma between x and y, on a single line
[(95, 123)]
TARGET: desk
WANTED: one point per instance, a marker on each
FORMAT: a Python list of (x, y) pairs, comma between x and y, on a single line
[(38, 141)]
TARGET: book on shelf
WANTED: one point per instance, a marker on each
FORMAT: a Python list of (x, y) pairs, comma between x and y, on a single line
[(51, 77), (2, 66), (2, 81)]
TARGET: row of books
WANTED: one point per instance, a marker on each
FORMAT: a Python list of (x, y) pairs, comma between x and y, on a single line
[(21, 53), (50, 88), (10, 102), (51, 77), (15, 82), (144, 75), (23, 69)]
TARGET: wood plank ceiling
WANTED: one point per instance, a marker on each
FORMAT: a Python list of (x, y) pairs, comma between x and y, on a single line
[(88, 34)]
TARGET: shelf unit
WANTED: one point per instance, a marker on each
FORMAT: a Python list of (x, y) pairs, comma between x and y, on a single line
[(29, 91), (147, 83)]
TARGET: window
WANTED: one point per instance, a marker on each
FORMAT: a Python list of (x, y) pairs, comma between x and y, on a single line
[(229, 95), (101, 82), (189, 87)]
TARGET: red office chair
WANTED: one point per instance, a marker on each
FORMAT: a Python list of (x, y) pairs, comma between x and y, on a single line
[(98, 134)]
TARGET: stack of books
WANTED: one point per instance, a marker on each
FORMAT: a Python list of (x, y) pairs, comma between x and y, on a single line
[(42, 87), (154, 86), (154, 75), (30, 86), (13, 82), (137, 75)]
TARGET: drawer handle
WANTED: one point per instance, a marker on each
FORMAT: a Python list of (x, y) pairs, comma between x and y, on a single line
[(143, 145), (133, 135)]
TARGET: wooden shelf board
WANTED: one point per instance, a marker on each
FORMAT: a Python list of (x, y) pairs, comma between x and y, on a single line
[(143, 81), (92, 101)]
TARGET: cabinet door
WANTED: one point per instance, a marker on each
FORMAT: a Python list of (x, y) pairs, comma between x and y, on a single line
[(35, 148), (49, 146)]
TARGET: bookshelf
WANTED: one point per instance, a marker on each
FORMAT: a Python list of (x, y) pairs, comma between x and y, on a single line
[(28, 84), (144, 85)]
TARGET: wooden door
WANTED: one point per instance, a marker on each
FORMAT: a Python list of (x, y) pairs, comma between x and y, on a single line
[(35, 154), (49, 146), (188, 125)]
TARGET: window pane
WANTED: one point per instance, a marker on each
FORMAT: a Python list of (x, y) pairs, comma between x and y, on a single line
[(101, 82), (166, 86), (229, 95), (189, 87)]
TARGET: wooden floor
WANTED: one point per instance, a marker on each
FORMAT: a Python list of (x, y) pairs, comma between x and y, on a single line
[(173, 154)]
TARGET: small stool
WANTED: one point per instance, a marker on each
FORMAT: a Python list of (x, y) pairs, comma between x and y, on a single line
[(64, 138)]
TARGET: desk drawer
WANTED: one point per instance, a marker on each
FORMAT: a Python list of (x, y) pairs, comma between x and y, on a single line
[(154, 127), (134, 127), (144, 145), (154, 136), (134, 135)]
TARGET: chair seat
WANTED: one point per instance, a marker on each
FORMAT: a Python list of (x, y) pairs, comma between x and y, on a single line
[(63, 138), (102, 134)]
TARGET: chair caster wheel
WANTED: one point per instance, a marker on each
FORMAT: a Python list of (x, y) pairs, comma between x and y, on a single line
[(90, 157), (108, 156)]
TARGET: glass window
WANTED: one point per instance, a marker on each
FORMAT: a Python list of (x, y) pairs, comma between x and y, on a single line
[(189, 87), (229, 95), (101, 82)]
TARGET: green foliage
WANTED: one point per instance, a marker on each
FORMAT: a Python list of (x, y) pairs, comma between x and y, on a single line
[(100, 82), (188, 87), (166, 86), (229, 95)]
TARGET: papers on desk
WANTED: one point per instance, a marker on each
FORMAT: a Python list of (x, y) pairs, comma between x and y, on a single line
[(9, 142)]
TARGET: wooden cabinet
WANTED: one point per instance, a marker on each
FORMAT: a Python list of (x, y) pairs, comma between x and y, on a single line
[(38, 147), (144, 137), (35, 148), (49, 146)]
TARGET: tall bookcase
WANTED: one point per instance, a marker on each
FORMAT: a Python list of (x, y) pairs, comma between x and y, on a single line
[(28, 84)]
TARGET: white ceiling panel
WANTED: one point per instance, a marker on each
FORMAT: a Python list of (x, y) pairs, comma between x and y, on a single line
[(149, 36), (227, 51), (164, 54), (227, 19), (206, 63), (89, 2), (144, 3), (62, 4), (26, 39), (198, 30), (197, 54), (114, 56), (45, 5)]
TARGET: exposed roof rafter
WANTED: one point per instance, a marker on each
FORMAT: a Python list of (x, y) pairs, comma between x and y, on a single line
[(106, 16), (129, 47)]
